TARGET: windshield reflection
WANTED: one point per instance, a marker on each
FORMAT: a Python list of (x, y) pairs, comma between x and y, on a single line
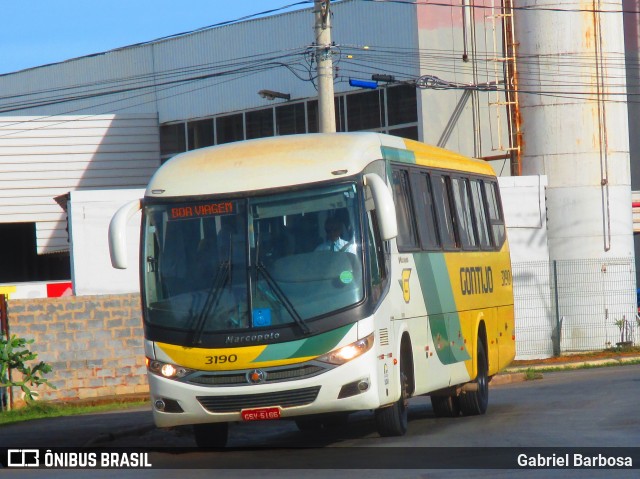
[(252, 263)]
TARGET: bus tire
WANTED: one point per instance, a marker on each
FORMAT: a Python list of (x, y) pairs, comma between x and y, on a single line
[(445, 406), (211, 435), (474, 403), (393, 420)]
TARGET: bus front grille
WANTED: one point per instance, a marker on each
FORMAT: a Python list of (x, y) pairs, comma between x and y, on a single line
[(239, 378), (284, 399)]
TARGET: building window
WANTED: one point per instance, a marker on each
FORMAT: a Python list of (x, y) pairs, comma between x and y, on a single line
[(410, 132), (259, 123), (200, 133), (365, 111), (340, 114), (290, 119), (313, 121), (392, 110), (402, 105), (229, 128), (172, 140)]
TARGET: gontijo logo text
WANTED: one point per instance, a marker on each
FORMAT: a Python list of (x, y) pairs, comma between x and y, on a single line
[(476, 280)]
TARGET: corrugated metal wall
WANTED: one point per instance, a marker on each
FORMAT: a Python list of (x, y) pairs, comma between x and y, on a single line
[(255, 42), (167, 77), (44, 157)]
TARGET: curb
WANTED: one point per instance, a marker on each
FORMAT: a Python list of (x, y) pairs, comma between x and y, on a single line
[(508, 378), (574, 364), (520, 373)]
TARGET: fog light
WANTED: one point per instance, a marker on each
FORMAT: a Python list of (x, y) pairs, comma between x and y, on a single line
[(354, 388), (159, 405)]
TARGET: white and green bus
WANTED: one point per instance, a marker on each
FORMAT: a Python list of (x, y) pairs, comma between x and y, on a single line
[(305, 277)]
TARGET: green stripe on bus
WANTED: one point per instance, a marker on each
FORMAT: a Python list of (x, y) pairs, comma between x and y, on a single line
[(314, 346), (398, 154), (437, 293), (444, 321)]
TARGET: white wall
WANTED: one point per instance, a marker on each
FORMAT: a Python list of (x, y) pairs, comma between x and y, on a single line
[(523, 200), (45, 157), (89, 215)]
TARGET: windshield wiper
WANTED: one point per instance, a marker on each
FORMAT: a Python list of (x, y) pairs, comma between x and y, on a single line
[(283, 298), (223, 276)]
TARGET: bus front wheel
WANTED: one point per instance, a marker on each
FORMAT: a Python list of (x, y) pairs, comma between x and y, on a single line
[(392, 420), (211, 434)]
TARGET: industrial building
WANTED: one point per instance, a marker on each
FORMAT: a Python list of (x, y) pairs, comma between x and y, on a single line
[(537, 91)]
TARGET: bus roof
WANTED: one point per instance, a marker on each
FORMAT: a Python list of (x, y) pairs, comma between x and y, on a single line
[(281, 161)]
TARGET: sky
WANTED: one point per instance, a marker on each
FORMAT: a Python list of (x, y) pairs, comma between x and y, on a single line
[(39, 32)]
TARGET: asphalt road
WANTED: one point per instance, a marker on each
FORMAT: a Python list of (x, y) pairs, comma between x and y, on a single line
[(584, 408)]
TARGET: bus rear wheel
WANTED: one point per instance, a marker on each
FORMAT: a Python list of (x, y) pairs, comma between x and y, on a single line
[(474, 403), (445, 406), (393, 420), (211, 434)]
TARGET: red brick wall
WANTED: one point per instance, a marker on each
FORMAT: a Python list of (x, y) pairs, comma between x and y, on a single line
[(93, 343)]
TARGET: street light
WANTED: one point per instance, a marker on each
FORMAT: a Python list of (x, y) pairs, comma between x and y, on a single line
[(272, 95)]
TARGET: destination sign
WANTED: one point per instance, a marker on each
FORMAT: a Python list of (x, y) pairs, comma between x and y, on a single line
[(202, 210)]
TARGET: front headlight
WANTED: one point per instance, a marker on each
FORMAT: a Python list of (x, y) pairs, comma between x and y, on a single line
[(348, 352), (166, 370)]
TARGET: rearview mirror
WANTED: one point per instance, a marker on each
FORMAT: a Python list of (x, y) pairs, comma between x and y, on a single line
[(117, 233), (385, 207)]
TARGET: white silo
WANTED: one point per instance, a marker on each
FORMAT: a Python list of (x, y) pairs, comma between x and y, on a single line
[(575, 131)]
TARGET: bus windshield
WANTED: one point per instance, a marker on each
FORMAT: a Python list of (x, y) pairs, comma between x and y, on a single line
[(242, 263)]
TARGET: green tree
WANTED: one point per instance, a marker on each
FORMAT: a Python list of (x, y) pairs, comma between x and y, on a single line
[(14, 355)]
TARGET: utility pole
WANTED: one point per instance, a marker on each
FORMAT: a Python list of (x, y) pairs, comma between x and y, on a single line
[(324, 69)]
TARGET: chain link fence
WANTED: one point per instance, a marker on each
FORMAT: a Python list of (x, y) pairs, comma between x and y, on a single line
[(574, 305)]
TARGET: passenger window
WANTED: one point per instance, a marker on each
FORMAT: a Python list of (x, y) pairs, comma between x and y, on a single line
[(426, 211), (446, 220), (407, 236), (462, 202), (495, 213), (480, 213)]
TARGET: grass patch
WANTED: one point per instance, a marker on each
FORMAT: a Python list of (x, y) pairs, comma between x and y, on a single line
[(41, 410), (532, 374), (572, 367)]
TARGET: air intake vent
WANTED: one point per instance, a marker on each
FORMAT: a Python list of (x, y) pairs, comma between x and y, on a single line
[(239, 378), (284, 399), (383, 334)]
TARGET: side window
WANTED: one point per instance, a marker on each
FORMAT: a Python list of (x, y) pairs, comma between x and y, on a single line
[(480, 213), (462, 202), (407, 236), (446, 221), (495, 212), (425, 211)]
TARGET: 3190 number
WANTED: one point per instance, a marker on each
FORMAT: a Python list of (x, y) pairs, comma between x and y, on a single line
[(223, 358), (506, 277)]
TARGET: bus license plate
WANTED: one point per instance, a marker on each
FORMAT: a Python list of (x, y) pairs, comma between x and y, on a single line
[(261, 414)]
